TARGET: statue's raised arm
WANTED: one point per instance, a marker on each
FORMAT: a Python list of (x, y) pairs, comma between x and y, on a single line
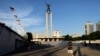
[(48, 7)]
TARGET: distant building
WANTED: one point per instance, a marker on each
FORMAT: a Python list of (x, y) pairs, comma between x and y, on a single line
[(89, 28), (56, 33), (75, 35), (38, 35), (98, 26)]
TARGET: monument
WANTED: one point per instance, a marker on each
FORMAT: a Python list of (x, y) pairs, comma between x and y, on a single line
[(48, 21)]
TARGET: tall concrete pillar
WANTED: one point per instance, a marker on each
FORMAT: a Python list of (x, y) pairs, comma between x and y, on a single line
[(46, 24), (48, 21), (51, 24)]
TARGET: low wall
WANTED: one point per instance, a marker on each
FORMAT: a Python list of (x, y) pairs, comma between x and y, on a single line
[(64, 43), (9, 40), (87, 41), (55, 43)]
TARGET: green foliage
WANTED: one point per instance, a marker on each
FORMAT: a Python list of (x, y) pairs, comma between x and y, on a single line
[(94, 35), (91, 36), (29, 34), (76, 38), (67, 37)]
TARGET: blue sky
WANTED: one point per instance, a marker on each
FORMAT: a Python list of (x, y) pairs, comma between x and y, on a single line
[(69, 16)]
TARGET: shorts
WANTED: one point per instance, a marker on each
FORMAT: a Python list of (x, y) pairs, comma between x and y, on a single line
[(70, 51)]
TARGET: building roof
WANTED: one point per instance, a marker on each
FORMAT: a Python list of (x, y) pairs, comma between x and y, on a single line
[(3, 25)]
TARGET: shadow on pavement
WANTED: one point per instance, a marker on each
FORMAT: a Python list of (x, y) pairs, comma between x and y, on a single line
[(25, 49), (74, 53), (94, 46), (51, 53), (78, 52)]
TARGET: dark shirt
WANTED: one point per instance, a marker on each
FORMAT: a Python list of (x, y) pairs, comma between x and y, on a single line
[(70, 46)]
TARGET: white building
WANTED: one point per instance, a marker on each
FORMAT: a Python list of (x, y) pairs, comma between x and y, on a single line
[(98, 26), (36, 36), (75, 35), (39, 35), (56, 33), (89, 28)]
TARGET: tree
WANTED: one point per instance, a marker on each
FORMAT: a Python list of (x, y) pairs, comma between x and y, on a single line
[(67, 37), (95, 35), (76, 38), (83, 37), (29, 34)]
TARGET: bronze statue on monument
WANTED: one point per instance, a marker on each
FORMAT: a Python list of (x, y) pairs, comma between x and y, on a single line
[(48, 7)]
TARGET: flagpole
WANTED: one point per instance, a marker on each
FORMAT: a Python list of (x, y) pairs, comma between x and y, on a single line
[(17, 26), (12, 10)]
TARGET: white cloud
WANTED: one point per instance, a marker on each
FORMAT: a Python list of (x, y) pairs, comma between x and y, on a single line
[(24, 16), (20, 12), (24, 12), (9, 23), (4, 16), (37, 29), (31, 21)]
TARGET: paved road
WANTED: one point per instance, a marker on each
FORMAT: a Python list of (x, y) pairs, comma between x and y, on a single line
[(86, 51), (52, 51), (60, 51)]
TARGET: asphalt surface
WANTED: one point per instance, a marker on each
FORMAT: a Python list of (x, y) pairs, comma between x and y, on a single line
[(59, 51), (41, 52)]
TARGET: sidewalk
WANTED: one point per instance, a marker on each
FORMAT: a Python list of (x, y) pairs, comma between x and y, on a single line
[(62, 52), (86, 51), (89, 50), (25, 49), (58, 51)]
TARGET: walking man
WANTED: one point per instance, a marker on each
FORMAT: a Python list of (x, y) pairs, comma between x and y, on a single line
[(70, 48)]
